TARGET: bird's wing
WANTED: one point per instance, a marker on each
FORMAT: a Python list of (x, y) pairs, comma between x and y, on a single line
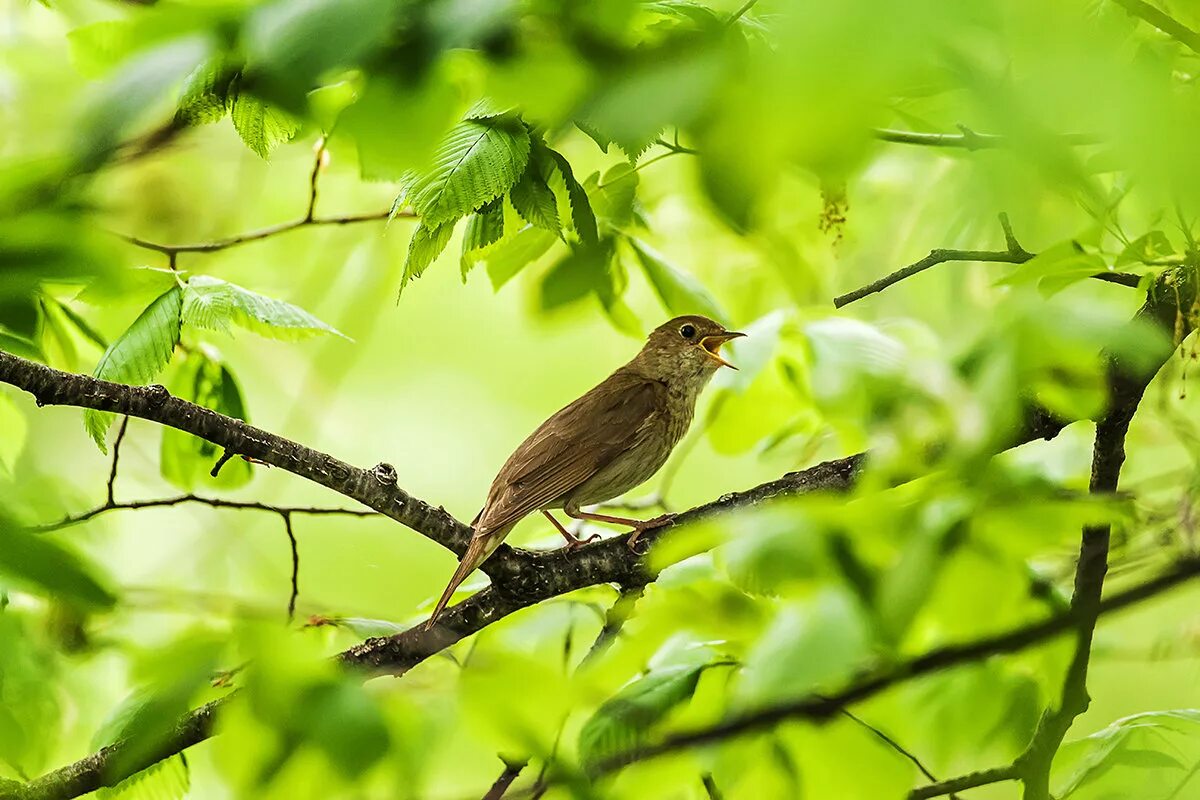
[(572, 446)]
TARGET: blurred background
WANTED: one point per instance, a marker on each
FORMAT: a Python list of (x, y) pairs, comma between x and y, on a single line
[(751, 162)]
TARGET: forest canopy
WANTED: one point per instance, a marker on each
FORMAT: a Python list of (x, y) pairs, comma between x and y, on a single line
[(283, 283)]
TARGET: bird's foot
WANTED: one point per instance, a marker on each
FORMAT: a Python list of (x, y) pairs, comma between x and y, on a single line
[(576, 542), (645, 525)]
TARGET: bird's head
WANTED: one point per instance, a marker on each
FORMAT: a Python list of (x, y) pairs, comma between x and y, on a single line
[(686, 348)]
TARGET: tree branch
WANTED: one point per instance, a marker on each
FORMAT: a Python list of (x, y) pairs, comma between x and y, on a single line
[(521, 579), (968, 139), (963, 782), (1013, 253), (820, 708), (1159, 19)]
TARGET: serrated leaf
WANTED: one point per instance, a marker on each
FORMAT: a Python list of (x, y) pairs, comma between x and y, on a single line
[(46, 566), (262, 127), (583, 219), (623, 722), (486, 108), (205, 94), (533, 200), (138, 355), (679, 291), (214, 304), (426, 245), (186, 460), (478, 161), (484, 227)]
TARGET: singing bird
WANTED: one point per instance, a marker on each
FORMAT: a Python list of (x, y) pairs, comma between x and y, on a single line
[(609, 441)]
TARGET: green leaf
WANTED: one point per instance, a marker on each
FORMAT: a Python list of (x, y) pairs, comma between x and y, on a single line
[(262, 127), (679, 291), (15, 428), (1141, 756), (205, 94), (47, 567), (138, 355), (477, 162), (186, 460), (343, 721), (426, 245), (484, 227), (214, 304), (533, 200), (582, 271), (1148, 247), (512, 254), (807, 648), (1056, 268), (583, 219), (615, 194), (624, 721)]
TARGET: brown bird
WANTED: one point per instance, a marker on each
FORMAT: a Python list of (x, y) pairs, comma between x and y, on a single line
[(607, 442)]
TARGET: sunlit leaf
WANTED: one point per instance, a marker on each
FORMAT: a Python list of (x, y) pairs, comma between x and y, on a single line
[(261, 126), (478, 161), (484, 227), (214, 304), (186, 460), (139, 354), (426, 245), (48, 567), (679, 291)]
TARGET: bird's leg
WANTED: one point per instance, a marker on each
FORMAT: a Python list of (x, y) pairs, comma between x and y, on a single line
[(639, 526), (572, 541)]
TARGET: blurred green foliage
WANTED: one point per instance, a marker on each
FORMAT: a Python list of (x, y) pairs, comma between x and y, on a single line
[(607, 165)]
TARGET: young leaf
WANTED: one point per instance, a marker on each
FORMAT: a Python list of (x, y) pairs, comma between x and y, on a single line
[(426, 244), (623, 722), (262, 127), (485, 227), (185, 460), (512, 254), (534, 201), (477, 162), (680, 292), (583, 219), (205, 94), (43, 564), (214, 304), (139, 354)]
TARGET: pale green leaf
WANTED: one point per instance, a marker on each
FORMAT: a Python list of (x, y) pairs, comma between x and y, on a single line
[(624, 721), (478, 161), (45, 566), (484, 227), (186, 460), (262, 127), (214, 304), (513, 253), (534, 201), (679, 291), (426, 245), (139, 354), (583, 219)]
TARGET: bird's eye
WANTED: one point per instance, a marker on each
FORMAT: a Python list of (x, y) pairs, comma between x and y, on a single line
[(687, 331)]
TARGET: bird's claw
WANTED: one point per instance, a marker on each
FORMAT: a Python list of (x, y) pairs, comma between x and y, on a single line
[(642, 527), (579, 542)]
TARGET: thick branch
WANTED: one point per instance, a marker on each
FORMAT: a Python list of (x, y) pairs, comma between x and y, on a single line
[(964, 782), (374, 488)]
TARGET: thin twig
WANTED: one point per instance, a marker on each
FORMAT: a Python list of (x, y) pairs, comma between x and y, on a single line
[(964, 782), (710, 786), (892, 743), (618, 614), (262, 233), (1013, 253), (287, 527), (312, 181), (512, 770), (821, 707), (968, 139), (112, 474), (741, 12), (1167, 24), (215, 502)]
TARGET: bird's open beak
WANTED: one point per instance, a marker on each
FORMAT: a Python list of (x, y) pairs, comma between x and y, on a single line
[(712, 345)]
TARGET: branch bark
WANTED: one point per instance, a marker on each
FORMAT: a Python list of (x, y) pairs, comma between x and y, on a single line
[(520, 578)]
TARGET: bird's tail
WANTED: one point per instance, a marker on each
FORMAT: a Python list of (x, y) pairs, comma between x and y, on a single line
[(482, 545)]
